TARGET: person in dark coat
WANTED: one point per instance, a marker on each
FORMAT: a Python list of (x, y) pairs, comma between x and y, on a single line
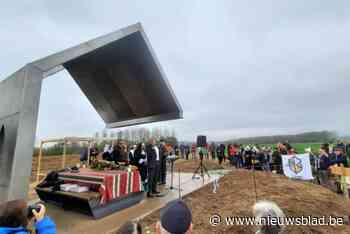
[(218, 154), (140, 160), (213, 150), (153, 160), (277, 161), (187, 151), (107, 153), (163, 158), (324, 163), (116, 154), (221, 153), (248, 156), (94, 152), (84, 155)]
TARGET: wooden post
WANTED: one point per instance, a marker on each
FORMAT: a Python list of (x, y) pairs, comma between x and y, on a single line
[(39, 162), (64, 154), (180, 197), (88, 162)]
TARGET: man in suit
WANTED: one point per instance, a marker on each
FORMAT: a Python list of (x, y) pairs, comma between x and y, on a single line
[(163, 157), (153, 160)]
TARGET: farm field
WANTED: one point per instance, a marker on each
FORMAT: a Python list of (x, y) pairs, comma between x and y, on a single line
[(236, 197), (299, 147)]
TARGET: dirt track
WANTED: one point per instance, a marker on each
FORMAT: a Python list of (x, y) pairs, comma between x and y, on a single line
[(236, 197)]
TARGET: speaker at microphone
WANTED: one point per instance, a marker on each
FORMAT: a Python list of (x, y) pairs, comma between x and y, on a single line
[(201, 141)]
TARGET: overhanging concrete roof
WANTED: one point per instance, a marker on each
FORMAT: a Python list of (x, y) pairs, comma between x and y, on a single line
[(120, 75)]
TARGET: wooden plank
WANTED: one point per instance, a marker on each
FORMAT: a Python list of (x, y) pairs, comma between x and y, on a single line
[(341, 171)]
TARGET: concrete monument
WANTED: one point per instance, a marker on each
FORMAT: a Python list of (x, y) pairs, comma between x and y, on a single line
[(119, 74)]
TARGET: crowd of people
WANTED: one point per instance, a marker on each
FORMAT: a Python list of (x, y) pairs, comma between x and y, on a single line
[(150, 159), (269, 158)]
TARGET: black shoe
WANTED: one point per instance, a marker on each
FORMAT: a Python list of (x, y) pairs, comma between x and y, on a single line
[(150, 195)]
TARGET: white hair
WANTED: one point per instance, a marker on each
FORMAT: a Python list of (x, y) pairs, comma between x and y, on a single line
[(264, 209)]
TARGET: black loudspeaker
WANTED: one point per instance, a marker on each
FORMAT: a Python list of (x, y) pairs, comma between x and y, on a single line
[(201, 141)]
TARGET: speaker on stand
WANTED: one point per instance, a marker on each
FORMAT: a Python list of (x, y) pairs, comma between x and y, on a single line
[(201, 169), (201, 141)]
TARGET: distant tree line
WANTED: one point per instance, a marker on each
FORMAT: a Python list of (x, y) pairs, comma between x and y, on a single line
[(131, 136), (135, 135), (57, 149), (307, 137)]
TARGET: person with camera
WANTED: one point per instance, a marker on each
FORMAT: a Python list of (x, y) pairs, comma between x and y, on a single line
[(16, 215)]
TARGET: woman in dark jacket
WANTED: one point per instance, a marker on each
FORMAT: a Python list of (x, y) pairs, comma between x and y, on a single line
[(140, 158)]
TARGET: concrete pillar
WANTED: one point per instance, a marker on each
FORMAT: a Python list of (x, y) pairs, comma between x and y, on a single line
[(18, 115)]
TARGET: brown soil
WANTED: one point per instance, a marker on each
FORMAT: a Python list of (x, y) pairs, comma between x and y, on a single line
[(51, 163), (48, 163), (191, 165), (236, 197)]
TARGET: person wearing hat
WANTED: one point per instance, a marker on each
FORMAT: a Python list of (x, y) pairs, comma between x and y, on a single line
[(175, 218), (338, 157), (16, 215)]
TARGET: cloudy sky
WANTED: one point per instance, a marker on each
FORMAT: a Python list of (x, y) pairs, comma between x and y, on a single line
[(238, 68)]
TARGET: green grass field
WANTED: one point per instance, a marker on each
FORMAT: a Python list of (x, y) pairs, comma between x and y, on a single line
[(299, 147)]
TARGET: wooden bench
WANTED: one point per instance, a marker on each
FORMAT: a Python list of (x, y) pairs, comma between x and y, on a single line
[(344, 174)]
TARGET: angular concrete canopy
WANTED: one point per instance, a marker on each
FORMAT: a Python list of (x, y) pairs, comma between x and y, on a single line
[(120, 75)]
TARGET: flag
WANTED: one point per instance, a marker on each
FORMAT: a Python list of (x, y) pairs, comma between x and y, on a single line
[(297, 166)]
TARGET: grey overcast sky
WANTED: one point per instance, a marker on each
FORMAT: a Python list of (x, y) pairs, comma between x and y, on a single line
[(238, 68)]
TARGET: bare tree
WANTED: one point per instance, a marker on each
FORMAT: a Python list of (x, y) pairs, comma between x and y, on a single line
[(156, 132), (148, 134), (120, 135), (133, 134), (104, 133), (173, 133)]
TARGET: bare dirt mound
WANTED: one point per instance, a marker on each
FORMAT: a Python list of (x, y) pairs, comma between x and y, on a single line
[(191, 165), (236, 197)]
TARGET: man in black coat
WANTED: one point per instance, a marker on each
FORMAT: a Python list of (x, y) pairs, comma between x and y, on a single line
[(163, 157), (153, 160)]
